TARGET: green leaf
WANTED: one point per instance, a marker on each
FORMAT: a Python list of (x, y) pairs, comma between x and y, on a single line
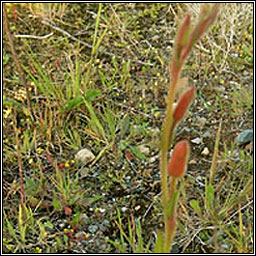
[(94, 119), (58, 241), (172, 203), (30, 186), (43, 233), (76, 218), (8, 102), (92, 94), (6, 58), (94, 199), (195, 205), (122, 247), (57, 204), (22, 225), (124, 126), (65, 239), (77, 101), (11, 230), (140, 248), (73, 103), (159, 246), (111, 121), (136, 151), (48, 224), (209, 196)]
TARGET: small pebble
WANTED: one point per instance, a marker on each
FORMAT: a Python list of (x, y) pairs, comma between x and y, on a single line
[(102, 210), (192, 162), (201, 121), (244, 137), (196, 140), (137, 207), (124, 209), (144, 150), (152, 159), (93, 229), (84, 172), (62, 225), (205, 152), (85, 156)]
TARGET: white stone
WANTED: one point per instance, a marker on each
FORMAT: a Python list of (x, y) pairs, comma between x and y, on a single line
[(201, 121), (85, 156), (124, 209), (152, 159), (205, 152), (192, 162), (144, 150), (84, 172), (102, 210), (137, 207), (196, 140)]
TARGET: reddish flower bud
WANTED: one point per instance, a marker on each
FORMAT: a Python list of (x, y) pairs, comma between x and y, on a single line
[(206, 18), (178, 161), (183, 104), (182, 36)]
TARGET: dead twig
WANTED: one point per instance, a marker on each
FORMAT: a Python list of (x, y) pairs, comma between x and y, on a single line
[(34, 37)]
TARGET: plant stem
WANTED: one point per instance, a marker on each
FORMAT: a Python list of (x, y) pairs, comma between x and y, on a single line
[(184, 42), (16, 60), (170, 231), (166, 129), (22, 193)]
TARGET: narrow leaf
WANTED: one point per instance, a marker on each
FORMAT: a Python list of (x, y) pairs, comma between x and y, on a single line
[(195, 205), (159, 245)]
